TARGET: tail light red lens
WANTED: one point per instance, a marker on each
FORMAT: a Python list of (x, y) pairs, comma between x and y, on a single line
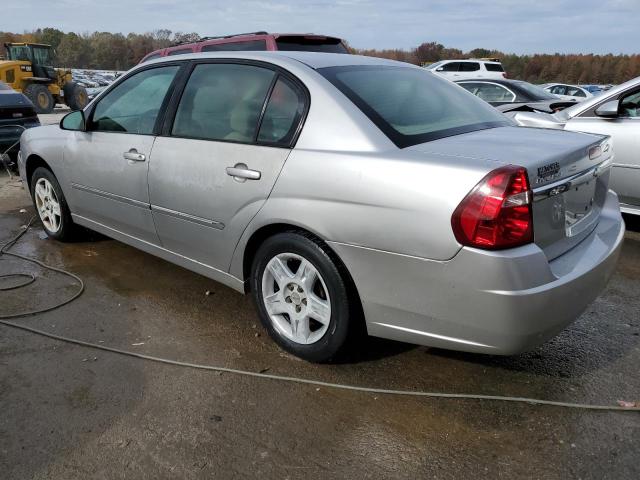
[(504, 75), (497, 213)]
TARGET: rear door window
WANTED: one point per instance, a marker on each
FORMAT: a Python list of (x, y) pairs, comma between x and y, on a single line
[(222, 102), (252, 45), (469, 66)]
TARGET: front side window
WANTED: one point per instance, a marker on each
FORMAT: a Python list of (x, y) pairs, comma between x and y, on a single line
[(575, 92), (133, 105), (630, 105), (283, 114), (222, 102), (410, 106), (558, 90), (252, 45), (489, 92), (42, 56)]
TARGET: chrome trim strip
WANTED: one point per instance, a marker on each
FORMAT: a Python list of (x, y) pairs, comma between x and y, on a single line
[(565, 184), (190, 218), (433, 335), (625, 165), (111, 196)]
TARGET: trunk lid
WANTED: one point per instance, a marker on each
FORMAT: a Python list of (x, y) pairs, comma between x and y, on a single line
[(568, 173)]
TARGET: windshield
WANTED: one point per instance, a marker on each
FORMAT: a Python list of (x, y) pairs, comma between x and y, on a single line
[(433, 65), (536, 92), (411, 106), (19, 52)]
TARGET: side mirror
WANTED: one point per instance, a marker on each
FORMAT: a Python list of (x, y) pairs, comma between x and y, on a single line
[(73, 121), (608, 109)]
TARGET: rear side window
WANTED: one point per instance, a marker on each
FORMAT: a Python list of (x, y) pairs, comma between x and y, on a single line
[(283, 114), (182, 51), (411, 107), (133, 105), (469, 66), (310, 44), (494, 67), (222, 102), (252, 45)]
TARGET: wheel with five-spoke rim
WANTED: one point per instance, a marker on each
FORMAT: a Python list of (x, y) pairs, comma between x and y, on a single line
[(51, 205), (301, 295)]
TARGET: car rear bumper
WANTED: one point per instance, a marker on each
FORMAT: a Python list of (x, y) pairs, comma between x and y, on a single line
[(501, 302)]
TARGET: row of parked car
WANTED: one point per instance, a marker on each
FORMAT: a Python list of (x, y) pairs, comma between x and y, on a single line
[(528, 104)]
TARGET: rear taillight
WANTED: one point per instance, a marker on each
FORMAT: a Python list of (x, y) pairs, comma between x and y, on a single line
[(497, 212), (504, 75)]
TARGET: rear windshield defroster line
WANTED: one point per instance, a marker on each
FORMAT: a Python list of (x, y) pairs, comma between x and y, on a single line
[(410, 105)]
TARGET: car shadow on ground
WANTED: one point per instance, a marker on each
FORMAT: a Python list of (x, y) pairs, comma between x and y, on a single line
[(632, 222)]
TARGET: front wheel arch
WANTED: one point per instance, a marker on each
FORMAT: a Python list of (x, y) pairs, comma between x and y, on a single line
[(32, 163)]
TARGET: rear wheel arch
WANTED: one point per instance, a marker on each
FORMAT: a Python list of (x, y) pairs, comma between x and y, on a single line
[(263, 233)]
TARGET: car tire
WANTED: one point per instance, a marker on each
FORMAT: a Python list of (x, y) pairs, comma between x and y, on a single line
[(321, 336), (41, 98), (75, 96), (51, 206)]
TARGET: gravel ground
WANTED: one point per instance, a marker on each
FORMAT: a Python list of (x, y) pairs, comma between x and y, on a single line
[(72, 412)]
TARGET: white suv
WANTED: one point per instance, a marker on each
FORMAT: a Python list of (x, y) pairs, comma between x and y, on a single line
[(468, 69)]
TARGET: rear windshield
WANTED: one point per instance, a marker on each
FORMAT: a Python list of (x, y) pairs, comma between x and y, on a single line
[(410, 105), (494, 67), (534, 91), (250, 45), (310, 44)]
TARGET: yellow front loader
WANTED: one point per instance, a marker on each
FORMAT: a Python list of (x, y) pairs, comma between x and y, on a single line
[(28, 69)]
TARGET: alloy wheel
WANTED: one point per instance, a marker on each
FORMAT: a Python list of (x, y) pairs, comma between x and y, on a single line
[(48, 205), (296, 298)]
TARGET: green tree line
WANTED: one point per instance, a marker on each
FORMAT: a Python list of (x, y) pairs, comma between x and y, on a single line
[(115, 51)]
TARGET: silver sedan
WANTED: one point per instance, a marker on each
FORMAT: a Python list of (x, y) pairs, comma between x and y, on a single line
[(615, 113), (345, 193)]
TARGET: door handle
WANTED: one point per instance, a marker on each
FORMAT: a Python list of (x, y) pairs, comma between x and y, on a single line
[(134, 156), (241, 173)]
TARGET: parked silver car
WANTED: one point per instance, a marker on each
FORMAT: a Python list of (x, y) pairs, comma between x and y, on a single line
[(342, 192), (615, 113)]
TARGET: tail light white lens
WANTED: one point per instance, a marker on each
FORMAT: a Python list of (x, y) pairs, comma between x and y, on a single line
[(497, 213)]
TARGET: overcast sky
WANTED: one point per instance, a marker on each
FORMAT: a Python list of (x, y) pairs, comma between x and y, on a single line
[(520, 26)]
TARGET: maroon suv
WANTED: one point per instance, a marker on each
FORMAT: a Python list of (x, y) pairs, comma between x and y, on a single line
[(256, 41)]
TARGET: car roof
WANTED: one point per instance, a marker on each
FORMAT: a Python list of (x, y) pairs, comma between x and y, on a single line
[(314, 60)]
